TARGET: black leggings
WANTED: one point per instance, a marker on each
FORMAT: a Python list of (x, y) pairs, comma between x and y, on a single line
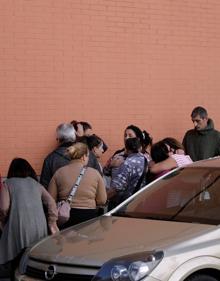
[(80, 215)]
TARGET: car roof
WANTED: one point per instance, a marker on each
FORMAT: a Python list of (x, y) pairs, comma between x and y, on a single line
[(210, 163)]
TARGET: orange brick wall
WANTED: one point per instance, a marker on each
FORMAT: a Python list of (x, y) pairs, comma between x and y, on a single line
[(109, 62)]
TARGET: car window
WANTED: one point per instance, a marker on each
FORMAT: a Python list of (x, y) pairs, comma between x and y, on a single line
[(190, 194)]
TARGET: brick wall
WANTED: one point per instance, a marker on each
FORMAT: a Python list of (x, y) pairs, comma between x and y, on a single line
[(109, 62)]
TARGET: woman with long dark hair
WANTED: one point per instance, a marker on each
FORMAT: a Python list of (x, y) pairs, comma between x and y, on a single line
[(131, 131), (22, 213)]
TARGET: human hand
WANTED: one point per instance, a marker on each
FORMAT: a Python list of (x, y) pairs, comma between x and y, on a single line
[(117, 160), (80, 131), (53, 228), (151, 164), (180, 151), (111, 192)]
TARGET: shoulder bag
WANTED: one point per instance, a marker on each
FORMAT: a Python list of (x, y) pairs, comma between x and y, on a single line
[(63, 206)]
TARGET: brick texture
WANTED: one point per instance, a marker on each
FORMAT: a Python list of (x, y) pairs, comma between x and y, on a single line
[(109, 62)]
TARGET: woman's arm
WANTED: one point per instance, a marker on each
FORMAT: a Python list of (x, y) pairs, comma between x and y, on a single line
[(159, 167), (4, 203), (52, 210), (101, 195), (52, 188), (111, 192)]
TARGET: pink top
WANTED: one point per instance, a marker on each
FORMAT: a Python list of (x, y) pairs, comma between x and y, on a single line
[(181, 159)]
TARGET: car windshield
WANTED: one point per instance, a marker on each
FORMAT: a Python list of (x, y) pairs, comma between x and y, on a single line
[(189, 195)]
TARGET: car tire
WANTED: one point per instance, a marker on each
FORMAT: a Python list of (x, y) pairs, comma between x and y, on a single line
[(201, 277)]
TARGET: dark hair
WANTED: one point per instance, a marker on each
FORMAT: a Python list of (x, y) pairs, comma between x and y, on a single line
[(199, 110), (133, 145), (105, 147), (137, 131), (85, 125), (144, 137), (20, 168), (92, 141), (74, 123), (173, 143), (83, 139), (159, 152), (147, 139)]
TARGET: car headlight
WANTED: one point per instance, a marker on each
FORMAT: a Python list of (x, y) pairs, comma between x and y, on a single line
[(129, 268), (24, 262)]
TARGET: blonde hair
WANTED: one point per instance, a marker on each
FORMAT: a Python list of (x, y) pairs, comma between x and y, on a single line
[(77, 150)]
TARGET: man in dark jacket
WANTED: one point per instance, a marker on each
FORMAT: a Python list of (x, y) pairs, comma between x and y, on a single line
[(58, 158), (203, 141)]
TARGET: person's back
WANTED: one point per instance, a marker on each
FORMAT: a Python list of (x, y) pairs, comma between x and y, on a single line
[(58, 158), (203, 141), (26, 223), (21, 212), (89, 194), (55, 160)]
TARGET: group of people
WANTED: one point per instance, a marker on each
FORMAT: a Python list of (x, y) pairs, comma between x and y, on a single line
[(28, 207)]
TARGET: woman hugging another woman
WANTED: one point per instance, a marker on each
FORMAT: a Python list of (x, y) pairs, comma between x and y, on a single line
[(167, 154)]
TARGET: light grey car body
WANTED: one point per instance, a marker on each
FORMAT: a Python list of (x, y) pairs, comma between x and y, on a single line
[(189, 247)]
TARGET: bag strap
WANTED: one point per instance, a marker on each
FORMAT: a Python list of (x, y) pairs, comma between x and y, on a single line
[(75, 186), (137, 187)]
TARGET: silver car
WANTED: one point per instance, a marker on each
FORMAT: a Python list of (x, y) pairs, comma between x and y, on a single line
[(168, 231)]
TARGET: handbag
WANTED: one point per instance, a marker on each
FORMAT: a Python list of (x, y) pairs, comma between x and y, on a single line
[(63, 207)]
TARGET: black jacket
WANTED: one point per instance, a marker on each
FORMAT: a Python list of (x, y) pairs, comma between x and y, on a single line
[(55, 160)]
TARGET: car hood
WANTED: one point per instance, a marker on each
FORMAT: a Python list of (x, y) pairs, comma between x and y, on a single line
[(95, 242)]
